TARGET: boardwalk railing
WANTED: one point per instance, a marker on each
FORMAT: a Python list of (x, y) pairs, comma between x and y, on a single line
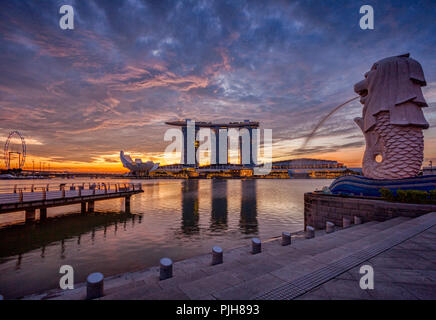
[(31, 197), (16, 188)]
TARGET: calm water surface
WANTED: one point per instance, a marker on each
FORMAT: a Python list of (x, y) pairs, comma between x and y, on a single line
[(173, 218)]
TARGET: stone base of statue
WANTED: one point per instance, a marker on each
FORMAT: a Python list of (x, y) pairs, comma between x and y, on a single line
[(363, 186)]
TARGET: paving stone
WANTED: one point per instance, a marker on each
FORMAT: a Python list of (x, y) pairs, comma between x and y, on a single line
[(422, 291), (297, 269), (136, 292), (209, 284), (180, 277), (251, 271), (407, 276), (166, 294), (345, 289), (390, 291), (249, 289)]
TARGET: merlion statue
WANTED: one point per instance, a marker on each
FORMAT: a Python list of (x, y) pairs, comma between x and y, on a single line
[(392, 120)]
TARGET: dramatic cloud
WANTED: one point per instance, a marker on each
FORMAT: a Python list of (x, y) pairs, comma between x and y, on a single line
[(129, 66)]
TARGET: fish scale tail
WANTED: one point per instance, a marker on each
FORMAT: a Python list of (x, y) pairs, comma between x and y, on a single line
[(403, 149)]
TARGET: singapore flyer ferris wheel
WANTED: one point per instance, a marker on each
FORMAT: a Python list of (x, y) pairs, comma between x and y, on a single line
[(15, 151)]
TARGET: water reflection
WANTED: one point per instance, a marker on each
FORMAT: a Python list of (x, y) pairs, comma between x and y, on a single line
[(232, 210), (248, 220), (219, 205), (19, 239), (190, 207)]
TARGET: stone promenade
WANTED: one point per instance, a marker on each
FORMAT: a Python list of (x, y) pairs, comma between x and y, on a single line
[(402, 252)]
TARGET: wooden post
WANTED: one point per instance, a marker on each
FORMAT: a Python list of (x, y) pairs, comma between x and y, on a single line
[(30, 215), (42, 213), (44, 195), (20, 196), (83, 207), (127, 204), (63, 192), (91, 206), (105, 189)]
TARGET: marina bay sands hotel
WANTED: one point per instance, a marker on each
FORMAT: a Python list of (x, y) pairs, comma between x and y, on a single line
[(248, 141)]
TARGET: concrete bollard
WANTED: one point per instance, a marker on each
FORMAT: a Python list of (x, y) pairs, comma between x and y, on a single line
[(346, 222), (217, 255), (310, 232), (166, 268), (357, 220), (94, 285), (256, 246), (286, 238), (329, 227)]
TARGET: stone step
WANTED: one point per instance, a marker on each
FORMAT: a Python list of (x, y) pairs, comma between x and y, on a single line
[(237, 260), (325, 242), (195, 278), (334, 262)]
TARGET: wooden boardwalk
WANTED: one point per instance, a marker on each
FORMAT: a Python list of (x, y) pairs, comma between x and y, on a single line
[(31, 200)]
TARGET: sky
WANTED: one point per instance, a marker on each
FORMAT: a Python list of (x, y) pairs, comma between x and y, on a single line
[(80, 96)]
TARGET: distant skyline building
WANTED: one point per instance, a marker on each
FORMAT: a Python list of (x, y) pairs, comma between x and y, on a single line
[(137, 167), (248, 141)]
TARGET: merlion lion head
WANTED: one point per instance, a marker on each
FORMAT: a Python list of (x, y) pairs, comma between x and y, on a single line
[(392, 118)]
